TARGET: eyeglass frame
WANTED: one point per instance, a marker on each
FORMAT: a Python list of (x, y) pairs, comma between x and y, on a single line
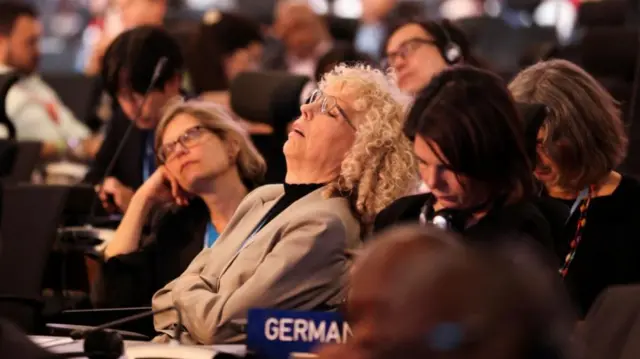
[(200, 129), (405, 49), (323, 106)]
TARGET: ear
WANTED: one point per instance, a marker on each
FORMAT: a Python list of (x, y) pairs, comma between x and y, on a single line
[(233, 148)]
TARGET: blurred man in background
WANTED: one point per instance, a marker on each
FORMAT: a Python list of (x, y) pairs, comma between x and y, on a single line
[(304, 37), (33, 107)]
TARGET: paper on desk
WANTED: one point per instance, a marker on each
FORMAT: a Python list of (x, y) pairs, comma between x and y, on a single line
[(48, 342)]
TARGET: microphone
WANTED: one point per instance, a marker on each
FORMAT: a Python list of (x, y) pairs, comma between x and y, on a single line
[(110, 344), (160, 65)]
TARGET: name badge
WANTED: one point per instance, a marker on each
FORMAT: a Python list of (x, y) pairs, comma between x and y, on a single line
[(279, 334)]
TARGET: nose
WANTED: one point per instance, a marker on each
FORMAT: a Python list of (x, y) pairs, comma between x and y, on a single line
[(430, 176), (399, 63), (307, 111)]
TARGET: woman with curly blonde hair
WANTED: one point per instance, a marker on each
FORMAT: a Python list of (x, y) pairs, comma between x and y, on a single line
[(289, 246), (470, 143)]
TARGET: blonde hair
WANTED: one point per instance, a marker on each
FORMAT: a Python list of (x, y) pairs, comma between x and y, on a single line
[(380, 167), (216, 119), (585, 136)]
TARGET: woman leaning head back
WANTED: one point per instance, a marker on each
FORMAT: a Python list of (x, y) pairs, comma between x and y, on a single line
[(349, 136)]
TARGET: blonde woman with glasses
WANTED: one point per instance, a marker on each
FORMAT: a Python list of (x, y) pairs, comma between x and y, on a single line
[(208, 165)]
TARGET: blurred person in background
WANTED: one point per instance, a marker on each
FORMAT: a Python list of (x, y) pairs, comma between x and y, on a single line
[(290, 247), (127, 70), (207, 166), (580, 144), (35, 110), (341, 54), (417, 51), (303, 38), (472, 153), (421, 293), (373, 28), (124, 15), (215, 58)]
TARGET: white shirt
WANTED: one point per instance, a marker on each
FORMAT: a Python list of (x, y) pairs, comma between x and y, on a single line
[(38, 114)]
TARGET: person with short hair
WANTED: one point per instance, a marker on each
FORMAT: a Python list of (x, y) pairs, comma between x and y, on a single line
[(128, 68), (207, 166), (471, 149), (417, 51), (290, 247), (579, 146), (33, 107)]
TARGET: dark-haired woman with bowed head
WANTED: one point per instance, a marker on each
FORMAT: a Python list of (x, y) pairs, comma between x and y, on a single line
[(470, 145)]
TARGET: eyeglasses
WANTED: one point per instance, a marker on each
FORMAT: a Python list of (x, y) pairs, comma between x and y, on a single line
[(404, 51), (327, 104), (189, 139)]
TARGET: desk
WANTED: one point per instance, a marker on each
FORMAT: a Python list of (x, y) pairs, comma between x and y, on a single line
[(67, 345)]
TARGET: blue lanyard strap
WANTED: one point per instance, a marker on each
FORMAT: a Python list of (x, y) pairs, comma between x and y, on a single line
[(581, 196), (148, 159)]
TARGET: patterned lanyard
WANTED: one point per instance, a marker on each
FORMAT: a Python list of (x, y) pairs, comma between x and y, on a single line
[(582, 221)]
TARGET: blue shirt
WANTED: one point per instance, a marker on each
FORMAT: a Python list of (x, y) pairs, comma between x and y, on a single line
[(210, 235)]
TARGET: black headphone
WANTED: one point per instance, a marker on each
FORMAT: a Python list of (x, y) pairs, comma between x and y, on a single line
[(451, 51)]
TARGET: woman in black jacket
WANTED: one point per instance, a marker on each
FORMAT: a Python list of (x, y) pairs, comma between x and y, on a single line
[(208, 165), (471, 148)]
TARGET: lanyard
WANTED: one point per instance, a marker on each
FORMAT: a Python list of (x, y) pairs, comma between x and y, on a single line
[(210, 236), (148, 161), (581, 196), (583, 200)]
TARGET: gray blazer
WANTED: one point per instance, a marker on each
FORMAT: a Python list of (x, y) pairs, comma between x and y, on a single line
[(300, 260)]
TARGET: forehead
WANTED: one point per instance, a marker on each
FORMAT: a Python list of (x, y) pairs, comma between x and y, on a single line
[(178, 125), (404, 33), (26, 25)]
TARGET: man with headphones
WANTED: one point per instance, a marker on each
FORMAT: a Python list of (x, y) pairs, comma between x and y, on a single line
[(419, 50)]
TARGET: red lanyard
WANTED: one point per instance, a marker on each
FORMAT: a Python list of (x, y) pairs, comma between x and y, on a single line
[(582, 221)]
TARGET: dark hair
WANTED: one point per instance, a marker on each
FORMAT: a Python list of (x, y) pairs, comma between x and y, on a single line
[(218, 36), (442, 33), (135, 54), (10, 12), (471, 116), (341, 54)]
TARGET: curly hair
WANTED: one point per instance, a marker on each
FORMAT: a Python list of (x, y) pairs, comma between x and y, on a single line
[(380, 166)]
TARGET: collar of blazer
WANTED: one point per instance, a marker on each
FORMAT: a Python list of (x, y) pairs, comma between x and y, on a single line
[(244, 223)]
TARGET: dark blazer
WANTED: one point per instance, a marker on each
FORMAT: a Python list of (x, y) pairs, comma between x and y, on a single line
[(177, 236), (527, 218), (128, 166)]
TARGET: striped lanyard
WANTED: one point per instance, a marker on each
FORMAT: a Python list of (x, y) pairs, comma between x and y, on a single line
[(583, 201)]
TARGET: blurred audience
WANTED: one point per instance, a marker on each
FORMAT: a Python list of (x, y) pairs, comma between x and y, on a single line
[(417, 51), (581, 143), (420, 293), (303, 35), (469, 141), (339, 54), (127, 71), (120, 16), (289, 247), (373, 27), (215, 58), (35, 110), (208, 165)]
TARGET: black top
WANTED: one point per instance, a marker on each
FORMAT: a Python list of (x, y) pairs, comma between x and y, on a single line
[(292, 193), (176, 237), (609, 252), (519, 220), (128, 165)]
